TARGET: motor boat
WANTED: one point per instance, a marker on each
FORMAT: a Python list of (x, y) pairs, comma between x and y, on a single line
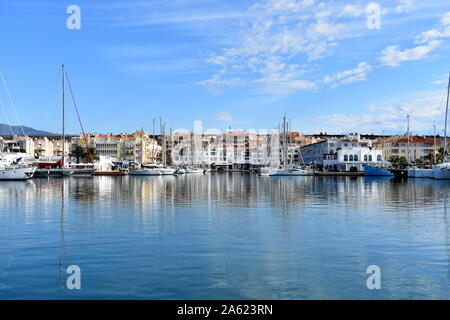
[(268, 171), (370, 170), (16, 172), (195, 170), (144, 172), (11, 168)]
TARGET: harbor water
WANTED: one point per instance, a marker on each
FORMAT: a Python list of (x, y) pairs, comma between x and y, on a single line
[(224, 236)]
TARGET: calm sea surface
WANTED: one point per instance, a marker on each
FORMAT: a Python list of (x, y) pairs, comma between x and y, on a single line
[(224, 236)]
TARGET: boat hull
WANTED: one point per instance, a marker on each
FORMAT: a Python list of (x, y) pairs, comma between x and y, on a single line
[(167, 171), (144, 173), (54, 173), (283, 172), (201, 171), (20, 173), (421, 173), (441, 174), (378, 172)]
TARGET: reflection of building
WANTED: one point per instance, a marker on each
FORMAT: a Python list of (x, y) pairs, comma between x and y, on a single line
[(235, 149), (419, 147), (137, 147), (344, 154)]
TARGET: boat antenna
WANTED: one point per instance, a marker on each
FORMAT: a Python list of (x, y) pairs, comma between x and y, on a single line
[(79, 118), (446, 115), (12, 103)]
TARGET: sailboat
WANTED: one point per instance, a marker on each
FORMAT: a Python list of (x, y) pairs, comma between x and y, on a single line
[(60, 168), (57, 168), (14, 165), (284, 169), (442, 170)]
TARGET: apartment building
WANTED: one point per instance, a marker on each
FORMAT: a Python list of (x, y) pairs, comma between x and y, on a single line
[(414, 148), (23, 144), (137, 147), (349, 153), (235, 149)]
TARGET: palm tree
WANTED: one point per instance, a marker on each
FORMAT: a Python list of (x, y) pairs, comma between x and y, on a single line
[(79, 153), (439, 156), (398, 162), (91, 154)]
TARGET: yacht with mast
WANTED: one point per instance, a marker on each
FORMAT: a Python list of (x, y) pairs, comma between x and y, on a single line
[(442, 170), (59, 168), (14, 169), (285, 169), (14, 165)]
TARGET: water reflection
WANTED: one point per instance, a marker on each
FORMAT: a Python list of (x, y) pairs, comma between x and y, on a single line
[(241, 190), (226, 236)]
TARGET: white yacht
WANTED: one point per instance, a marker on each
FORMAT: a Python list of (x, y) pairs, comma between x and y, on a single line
[(442, 170), (144, 172), (16, 172), (153, 170), (165, 171), (194, 170), (267, 171), (286, 168), (12, 170)]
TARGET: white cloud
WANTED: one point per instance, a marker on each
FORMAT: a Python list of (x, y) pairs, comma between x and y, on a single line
[(224, 116), (442, 32), (277, 49), (405, 6), (357, 74), (425, 109), (446, 19), (439, 82), (352, 11), (392, 56)]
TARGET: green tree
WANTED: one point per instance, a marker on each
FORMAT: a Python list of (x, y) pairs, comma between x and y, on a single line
[(439, 156), (91, 154), (168, 157), (398, 162), (79, 153)]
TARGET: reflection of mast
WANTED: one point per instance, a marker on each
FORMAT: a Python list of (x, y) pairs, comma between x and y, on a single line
[(61, 264)]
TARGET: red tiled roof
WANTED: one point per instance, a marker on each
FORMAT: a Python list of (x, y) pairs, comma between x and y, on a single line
[(411, 140)]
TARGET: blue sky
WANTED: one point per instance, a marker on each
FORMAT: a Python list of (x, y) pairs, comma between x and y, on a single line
[(238, 64)]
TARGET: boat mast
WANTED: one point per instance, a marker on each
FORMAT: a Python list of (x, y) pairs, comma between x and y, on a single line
[(63, 138), (409, 151), (446, 115), (434, 134)]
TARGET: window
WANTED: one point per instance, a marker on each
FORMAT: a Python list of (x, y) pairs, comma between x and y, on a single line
[(351, 157), (355, 157), (370, 158), (346, 158), (365, 158), (379, 158)]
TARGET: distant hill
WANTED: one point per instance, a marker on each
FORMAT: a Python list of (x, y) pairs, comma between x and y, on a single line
[(17, 130)]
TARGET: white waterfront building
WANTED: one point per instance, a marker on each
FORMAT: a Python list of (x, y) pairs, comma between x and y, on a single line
[(349, 153)]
